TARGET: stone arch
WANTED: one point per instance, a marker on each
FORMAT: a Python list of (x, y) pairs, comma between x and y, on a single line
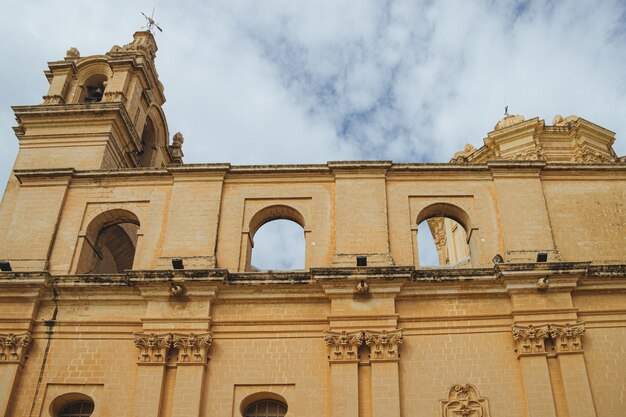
[(260, 396), (109, 243), (62, 401), (93, 72), (266, 215), (452, 243), (154, 136)]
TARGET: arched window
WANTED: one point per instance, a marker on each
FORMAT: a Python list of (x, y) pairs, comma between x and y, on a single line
[(266, 408), (77, 409), (109, 244), (276, 240), (148, 140), (93, 89), (442, 238), (278, 245)]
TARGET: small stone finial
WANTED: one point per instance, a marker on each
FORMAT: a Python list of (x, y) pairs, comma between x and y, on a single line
[(562, 121), (178, 140), (72, 53), (461, 157)]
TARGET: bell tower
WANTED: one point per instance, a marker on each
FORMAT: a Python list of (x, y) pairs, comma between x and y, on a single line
[(100, 112)]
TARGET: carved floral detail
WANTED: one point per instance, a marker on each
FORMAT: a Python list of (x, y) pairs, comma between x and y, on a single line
[(530, 155), (143, 44), (530, 339), (53, 99), (13, 347), (343, 346), (585, 155), (567, 338), (193, 347), (384, 344), (153, 347), (464, 400)]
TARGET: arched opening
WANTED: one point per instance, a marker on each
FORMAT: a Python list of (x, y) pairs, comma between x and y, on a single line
[(93, 89), (148, 140), (109, 244), (266, 408), (276, 240), (442, 237), (278, 245), (72, 404)]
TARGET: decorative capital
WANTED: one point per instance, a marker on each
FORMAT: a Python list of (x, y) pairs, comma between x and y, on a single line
[(584, 155), (53, 99), (464, 400), (193, 348), (343, 346), (13, 347), (112, 96), (530, 339), (567, 338), (152, 347), (384, 344)]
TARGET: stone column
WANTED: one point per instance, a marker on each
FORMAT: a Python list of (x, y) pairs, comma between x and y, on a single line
[(531, 353), (190, 368), (569, 352), (384, 359), (152, 360), (12, 351), (343, 356)]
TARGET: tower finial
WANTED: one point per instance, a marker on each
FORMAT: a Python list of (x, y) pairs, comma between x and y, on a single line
[(151, 22)]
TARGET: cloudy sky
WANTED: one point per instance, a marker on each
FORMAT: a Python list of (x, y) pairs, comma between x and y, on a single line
[(255, 82)]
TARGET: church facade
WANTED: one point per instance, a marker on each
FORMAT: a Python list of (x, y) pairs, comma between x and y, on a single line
[(127, 287)]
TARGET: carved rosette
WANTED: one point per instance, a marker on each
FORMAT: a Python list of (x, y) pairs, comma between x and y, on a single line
[(343, 346), (152, 347), (193, 348), (530, 339), (567, 338), (464, 400), (13, 347), (384, 344)]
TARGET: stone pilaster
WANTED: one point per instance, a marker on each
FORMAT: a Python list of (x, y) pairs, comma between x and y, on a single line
[(153, 349), (193, 354), (531, 352), (343, 356), (384, 358), (13, 348), (569, 351)]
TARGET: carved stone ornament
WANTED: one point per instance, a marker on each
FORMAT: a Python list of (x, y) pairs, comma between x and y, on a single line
[(509, 120), (110, 96), (152, 347), (53, 99), (530, 339), (143, 43), (562, 121), (384, 344), (193, 348), (585, 155), (461, 157), (72, 53), (343, 346), (530, 155), (567, 338), (13, 347), (464, 401)]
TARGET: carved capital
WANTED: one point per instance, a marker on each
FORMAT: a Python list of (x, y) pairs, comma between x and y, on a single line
[(384, 344), (530, 339), (152, 347), (567, 338), (584, 155), (193, 348), (113, 96), (53, 99), (13, 347), (343, 346), (464, 400)]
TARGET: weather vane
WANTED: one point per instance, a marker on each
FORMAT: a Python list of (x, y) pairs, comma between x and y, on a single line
[(151, 22)]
